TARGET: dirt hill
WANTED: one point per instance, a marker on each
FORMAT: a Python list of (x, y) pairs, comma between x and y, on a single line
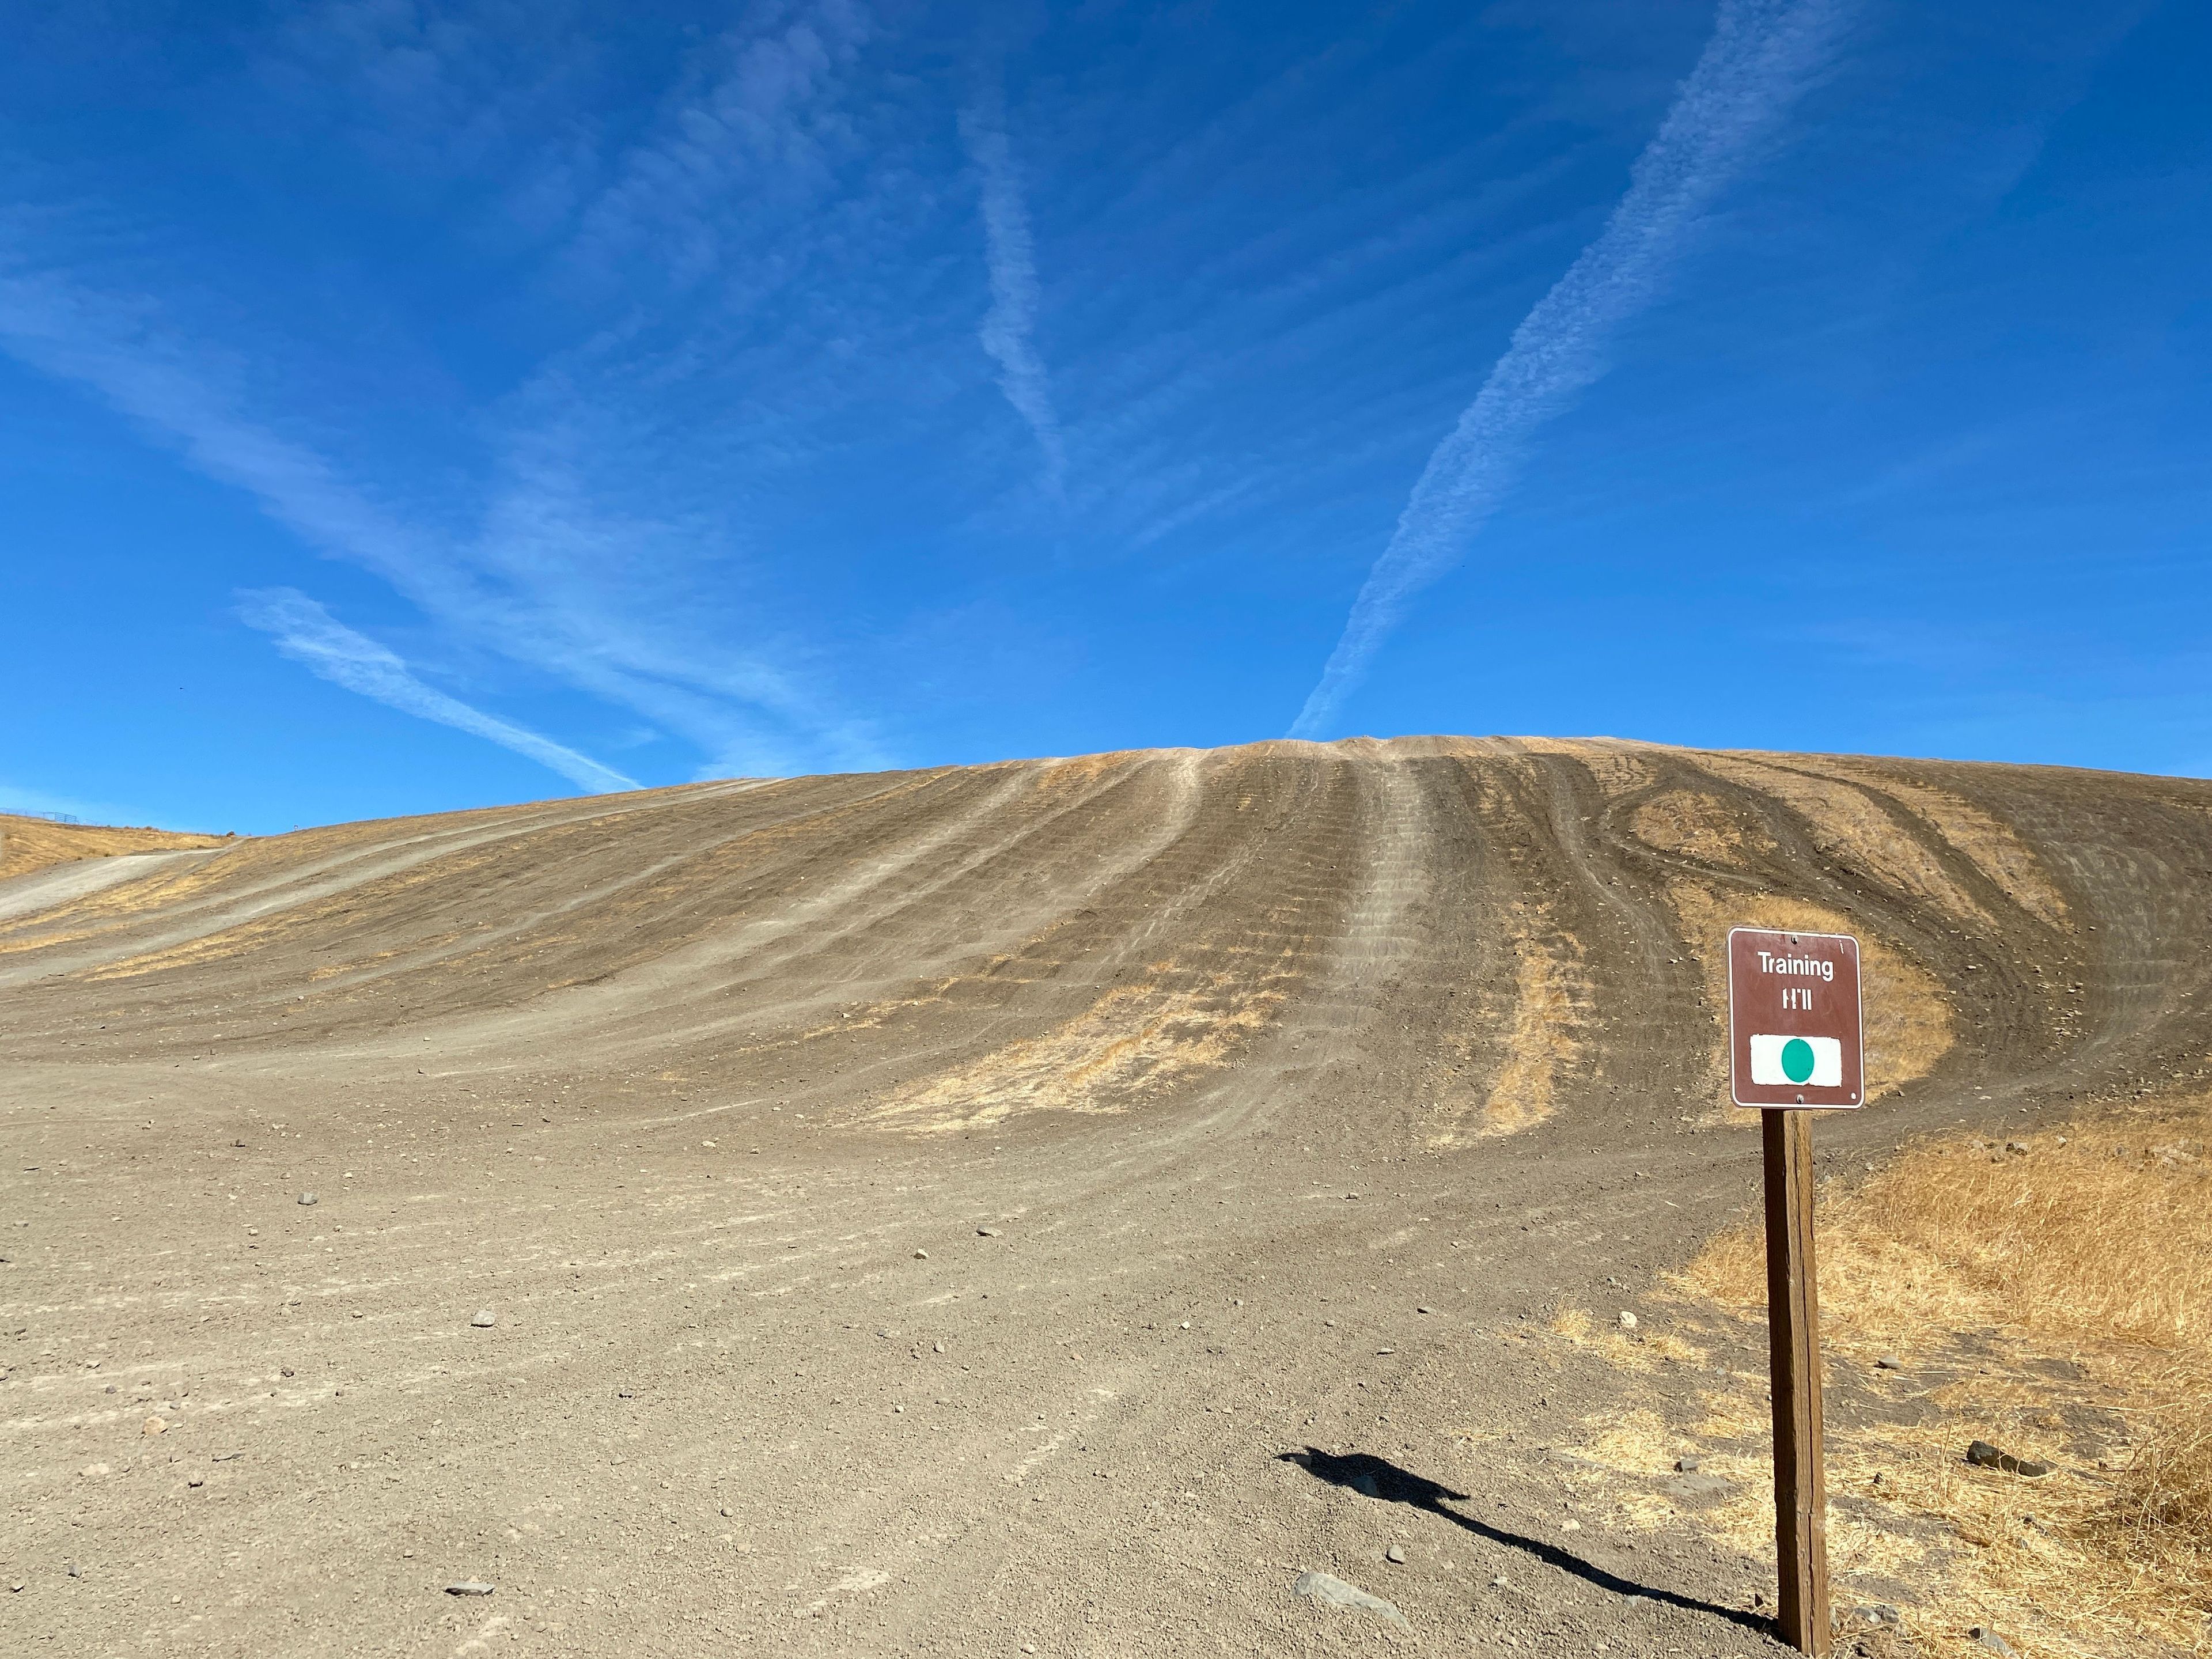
[(1033, 1207)]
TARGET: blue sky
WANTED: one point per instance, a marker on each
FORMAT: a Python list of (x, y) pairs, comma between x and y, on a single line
[(412, 406)]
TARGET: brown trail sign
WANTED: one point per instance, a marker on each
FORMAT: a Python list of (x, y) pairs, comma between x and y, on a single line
[(1795, 1044)]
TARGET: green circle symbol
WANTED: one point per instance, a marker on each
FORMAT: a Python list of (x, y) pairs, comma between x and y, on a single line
[(1797, 1060)]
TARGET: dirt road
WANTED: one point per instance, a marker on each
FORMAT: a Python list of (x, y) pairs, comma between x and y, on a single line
[(1042, 1207)]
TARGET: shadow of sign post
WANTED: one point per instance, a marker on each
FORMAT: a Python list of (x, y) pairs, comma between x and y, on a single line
[(1796, 1045), (1381, 1479)]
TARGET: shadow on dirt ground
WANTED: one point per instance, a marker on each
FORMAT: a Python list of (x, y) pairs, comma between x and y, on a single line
[(1379, 1477)]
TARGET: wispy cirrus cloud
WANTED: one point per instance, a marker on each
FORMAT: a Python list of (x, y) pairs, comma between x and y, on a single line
[(546, 578), (307, 633), (1008, 333), (1761, 53), (580, 550)]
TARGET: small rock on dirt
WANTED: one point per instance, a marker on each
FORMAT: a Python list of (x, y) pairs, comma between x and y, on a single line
[(1334, 1592), (1889, 1362), (921, 1255), (485, 1320), (1395, 1555), (469, 1587), (308, 1198), (1990, 1457), (1990, 1639), (1697, 1489), (987, 1232), (1627, 1320), (1685, 1465)]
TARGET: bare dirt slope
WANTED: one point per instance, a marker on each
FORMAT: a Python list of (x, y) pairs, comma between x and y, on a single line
[(1043, 1206)]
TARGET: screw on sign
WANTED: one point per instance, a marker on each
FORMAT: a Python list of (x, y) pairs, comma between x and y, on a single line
[(1795, 1045)]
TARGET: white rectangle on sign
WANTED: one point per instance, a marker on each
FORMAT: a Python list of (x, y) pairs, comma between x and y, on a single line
[(1818, 1062)]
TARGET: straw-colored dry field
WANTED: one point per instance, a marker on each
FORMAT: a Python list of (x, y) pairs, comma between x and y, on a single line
[(1049, 1207), (28, 844)]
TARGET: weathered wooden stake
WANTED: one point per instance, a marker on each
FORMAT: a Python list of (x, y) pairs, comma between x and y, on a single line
[(1793, 1321)]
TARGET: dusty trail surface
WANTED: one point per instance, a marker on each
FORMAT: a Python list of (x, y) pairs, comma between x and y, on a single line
[(1044, 1206)]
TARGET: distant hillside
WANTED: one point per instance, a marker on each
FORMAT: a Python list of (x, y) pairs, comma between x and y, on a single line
[(27, 844), (1537, 922)]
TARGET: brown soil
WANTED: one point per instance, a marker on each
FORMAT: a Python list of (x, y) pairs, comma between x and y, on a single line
[(1271, 1097)]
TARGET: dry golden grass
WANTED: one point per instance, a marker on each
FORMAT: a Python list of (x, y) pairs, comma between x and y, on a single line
[(29, 844), (1135, 1041), (1552, 1005), (1703, 826), (1992, 844), (1856, 829), (2056, 1301)]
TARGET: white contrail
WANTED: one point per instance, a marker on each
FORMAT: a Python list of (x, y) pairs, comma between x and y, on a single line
[(307, 634), (1759, 54), (1010, 258)]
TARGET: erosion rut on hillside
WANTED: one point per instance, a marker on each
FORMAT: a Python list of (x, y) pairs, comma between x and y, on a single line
[(923, 1210)]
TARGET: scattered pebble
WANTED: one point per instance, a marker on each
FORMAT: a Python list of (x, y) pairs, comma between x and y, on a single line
[(1627, 1320), (485, 1320), (1889, 1362), (1990, 1639), (987, 1232), (921, 1255), (308, 1198), (469, 1587), (155, 1425), (1395, 1555), (1686, 1465), (1425, 1310)]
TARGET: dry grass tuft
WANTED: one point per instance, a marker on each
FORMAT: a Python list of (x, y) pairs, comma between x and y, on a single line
[(2102, 1232), (2054, 1296), (1134, 1042)]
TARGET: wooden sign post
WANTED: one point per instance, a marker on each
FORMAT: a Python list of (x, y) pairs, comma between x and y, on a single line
[(1795, 1045)]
